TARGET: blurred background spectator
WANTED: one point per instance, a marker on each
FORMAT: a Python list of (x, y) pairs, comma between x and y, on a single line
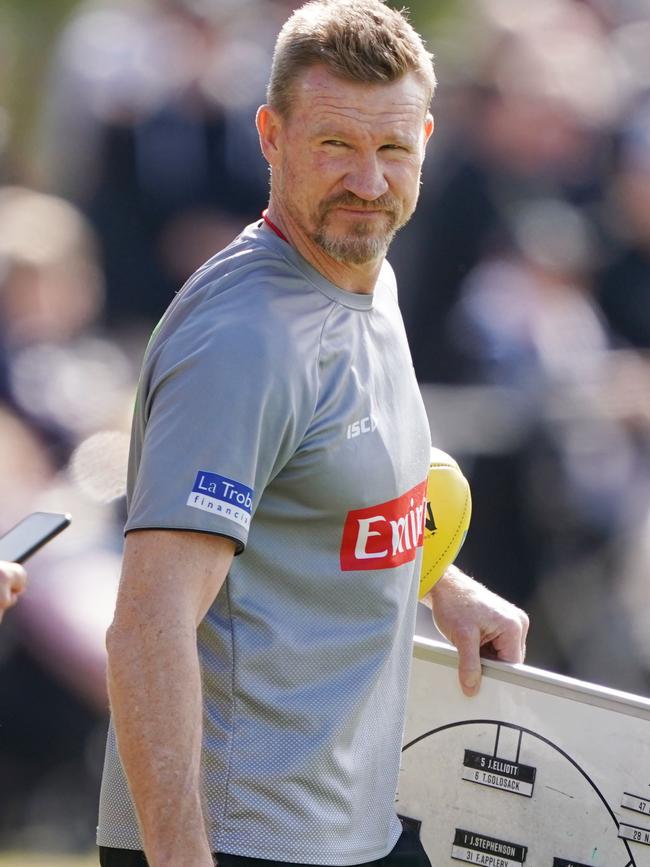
[(128, 155), (148, 128)]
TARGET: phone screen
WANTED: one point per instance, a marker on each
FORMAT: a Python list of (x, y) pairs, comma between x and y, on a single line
[(30, 534)]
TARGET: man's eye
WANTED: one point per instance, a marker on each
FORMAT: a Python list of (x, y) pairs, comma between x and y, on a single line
[(335, 142), (393, 147)]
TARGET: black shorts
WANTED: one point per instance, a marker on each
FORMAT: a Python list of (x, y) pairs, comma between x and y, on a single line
[(408, 852)]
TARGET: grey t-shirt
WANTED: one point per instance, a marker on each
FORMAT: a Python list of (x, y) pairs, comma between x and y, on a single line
[(283, 412)]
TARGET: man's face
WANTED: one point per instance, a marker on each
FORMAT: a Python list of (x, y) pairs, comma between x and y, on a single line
[(347, 168)]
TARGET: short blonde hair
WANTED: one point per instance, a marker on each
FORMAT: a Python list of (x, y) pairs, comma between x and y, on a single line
[(358, 40)]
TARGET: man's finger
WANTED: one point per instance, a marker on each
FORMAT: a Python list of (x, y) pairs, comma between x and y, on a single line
[(508, 646), (469, 662), (524, 634)]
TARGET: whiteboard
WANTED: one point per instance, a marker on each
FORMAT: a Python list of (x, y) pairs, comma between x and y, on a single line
[(537, 769)]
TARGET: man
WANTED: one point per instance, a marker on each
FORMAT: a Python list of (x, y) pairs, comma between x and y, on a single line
[(273, 732), (13, 580)]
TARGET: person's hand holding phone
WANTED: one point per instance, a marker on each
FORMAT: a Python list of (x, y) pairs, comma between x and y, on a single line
[(13, 580), (17, 545)]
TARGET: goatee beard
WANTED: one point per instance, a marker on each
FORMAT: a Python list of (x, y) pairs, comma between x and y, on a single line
[(354, 249), (361, 245)]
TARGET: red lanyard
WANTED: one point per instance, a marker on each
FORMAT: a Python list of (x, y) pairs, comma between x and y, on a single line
[(274, 227)]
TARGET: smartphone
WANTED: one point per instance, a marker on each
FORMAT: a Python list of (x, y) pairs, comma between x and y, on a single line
[(30, 534)]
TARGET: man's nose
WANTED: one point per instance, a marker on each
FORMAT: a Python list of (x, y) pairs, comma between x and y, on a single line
[(366, 178)]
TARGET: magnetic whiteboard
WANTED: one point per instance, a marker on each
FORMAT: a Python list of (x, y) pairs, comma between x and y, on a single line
[(537, 769)]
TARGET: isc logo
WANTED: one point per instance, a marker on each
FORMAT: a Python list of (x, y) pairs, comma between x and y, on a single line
[(361, 426)]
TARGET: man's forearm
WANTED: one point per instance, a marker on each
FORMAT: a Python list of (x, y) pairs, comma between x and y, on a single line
[(155, 691)]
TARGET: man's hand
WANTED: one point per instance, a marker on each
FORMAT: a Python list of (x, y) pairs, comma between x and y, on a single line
[(13, 580), (479, 623)]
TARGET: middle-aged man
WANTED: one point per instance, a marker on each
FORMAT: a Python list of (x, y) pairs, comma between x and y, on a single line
[(258, 700)]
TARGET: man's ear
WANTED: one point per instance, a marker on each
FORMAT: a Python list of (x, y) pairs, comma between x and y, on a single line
[(428, 127), (269, 127)]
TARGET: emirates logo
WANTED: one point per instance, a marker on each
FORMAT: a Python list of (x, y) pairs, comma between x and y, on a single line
[(386, 535)]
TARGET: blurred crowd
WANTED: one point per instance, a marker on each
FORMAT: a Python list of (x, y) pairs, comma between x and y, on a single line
[(527, 273), (525, 282)]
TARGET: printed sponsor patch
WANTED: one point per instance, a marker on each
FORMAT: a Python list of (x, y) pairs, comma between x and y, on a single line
[(222, 496), (387, 535)]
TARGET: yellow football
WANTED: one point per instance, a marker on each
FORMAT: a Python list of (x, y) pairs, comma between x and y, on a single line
[(449, 509)]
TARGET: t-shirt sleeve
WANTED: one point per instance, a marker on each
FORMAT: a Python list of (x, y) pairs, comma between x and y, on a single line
[(219, 414)]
